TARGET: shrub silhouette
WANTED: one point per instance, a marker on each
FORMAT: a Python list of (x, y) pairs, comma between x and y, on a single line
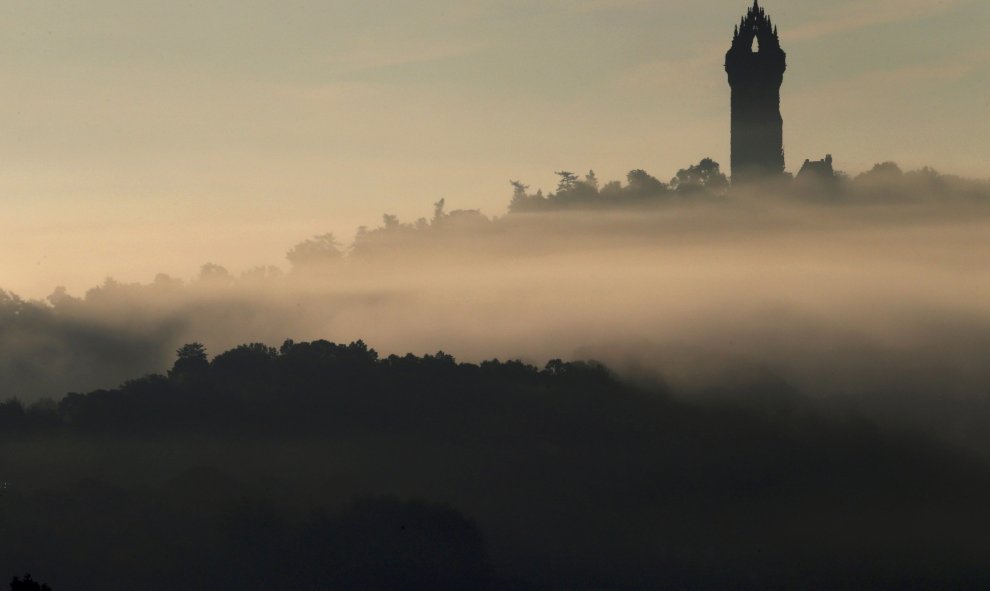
[(28, 584)]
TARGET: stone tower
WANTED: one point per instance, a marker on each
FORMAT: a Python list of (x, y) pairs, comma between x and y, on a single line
[(755, 64)]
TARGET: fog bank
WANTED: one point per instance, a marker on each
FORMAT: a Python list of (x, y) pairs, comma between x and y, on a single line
[(877, 305)]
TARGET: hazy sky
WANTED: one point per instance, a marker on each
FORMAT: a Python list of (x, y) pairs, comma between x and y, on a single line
[(143, 136)]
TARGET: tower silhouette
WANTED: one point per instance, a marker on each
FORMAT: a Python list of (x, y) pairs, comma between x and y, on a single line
[(755, 64)]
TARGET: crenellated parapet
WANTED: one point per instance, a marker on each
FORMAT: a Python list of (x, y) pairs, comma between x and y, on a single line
[(756, 24)]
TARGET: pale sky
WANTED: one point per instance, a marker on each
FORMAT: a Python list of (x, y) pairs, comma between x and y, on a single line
[(142, 136)]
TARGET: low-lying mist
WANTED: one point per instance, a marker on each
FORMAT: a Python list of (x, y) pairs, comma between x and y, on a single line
[(875, 304)]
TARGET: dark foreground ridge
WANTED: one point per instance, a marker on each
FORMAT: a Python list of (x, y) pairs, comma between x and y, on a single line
[(323, 466)]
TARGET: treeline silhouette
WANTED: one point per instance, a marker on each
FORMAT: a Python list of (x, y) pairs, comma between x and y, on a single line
[(700, 181), (302, 387), (27, 584), (705, 182), (319, 465), (446, 233)]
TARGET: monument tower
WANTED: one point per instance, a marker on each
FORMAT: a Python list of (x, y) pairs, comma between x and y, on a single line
[(755, 64)]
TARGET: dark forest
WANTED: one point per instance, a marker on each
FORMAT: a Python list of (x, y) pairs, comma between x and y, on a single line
[(319, 465)]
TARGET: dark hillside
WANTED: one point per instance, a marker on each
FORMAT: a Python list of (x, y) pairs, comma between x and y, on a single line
[(319, 465)]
